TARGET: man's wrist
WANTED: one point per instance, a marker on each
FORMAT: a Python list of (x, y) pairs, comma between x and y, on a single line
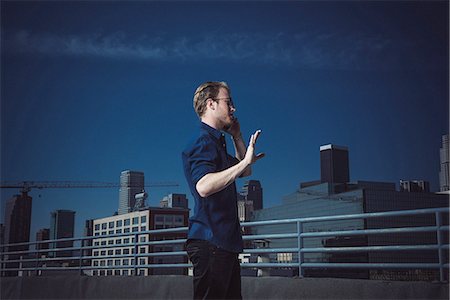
[(237, 137)]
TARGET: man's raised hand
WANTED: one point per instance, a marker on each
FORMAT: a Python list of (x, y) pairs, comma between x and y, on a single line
[(250, 156)]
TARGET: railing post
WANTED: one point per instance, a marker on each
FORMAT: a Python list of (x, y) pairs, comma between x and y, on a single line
[(81, 256), (300, 246), (2, 258), (439, 242), (136, 248), (36, 247)]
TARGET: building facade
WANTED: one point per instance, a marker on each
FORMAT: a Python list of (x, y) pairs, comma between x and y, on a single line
[(131, 184), (125, 253)]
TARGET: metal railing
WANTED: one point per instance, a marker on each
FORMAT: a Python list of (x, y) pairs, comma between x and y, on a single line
[(23, 261)]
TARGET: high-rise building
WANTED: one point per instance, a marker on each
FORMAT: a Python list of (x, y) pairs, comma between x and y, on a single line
[(174, 200), (131, 184), (62, 226), (17, 228), (444, 172), (18, 220), (334, 166), (41, 236)]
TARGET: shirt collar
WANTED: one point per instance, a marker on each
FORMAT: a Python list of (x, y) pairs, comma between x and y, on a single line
[(214, 132)]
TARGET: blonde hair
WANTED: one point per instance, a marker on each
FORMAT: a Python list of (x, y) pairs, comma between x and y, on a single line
[(205, 91)]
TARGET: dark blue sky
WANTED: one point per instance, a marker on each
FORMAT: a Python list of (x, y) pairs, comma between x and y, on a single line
[(89, 89)]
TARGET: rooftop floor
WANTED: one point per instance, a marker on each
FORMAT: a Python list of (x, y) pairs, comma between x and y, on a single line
[(180, 287)]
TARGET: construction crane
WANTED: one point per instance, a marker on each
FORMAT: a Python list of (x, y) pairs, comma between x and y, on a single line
[(26, 186)]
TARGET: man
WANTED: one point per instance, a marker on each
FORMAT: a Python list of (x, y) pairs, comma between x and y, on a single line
[(214, 238)]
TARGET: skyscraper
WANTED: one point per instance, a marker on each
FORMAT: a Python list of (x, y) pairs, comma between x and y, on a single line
[(131, 183), (18, 220), (334, 167), (444, 172), (17, 228), (62, 226), (252, 191)]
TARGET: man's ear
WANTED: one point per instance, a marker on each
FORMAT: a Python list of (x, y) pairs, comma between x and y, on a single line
[(210, 104)]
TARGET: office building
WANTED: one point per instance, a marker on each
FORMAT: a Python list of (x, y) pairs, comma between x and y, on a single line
[(131, 184), (128, 227), (62, 225), (444, 172), (41, 236), (174, 201), (334, 164)]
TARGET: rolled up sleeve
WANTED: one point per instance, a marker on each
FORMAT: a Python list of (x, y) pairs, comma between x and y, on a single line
[(203, 159)]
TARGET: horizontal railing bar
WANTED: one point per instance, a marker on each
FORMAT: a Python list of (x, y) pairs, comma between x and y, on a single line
[(375, 265), (373, 231), (346, 217), (269, 265), (370, 248), (253, 265), (270, 236), (167, 242), (271, 250)]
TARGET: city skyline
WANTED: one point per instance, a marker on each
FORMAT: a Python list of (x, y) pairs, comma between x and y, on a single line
[(88, 97)]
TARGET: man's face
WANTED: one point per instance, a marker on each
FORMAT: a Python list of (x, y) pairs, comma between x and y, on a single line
[(224, 108)]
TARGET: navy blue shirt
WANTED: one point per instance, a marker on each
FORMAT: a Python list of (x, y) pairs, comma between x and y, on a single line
[(215, 217)]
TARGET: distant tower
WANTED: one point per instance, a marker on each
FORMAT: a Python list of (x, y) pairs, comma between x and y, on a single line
[(444, 172), (131, 183), (334, 167), (252, 191), (18, 220), (62, 226)]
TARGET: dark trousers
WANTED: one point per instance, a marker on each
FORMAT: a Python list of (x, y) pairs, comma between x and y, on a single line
[(217, 273)]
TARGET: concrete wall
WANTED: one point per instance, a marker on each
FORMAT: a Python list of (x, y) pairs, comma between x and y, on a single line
[(180, 287)]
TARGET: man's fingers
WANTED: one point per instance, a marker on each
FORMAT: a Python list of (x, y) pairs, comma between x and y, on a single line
[(254, 137), (260, 155), (257, 133)]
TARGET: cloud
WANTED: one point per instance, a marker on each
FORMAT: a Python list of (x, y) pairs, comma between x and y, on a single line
[(308, 50)]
